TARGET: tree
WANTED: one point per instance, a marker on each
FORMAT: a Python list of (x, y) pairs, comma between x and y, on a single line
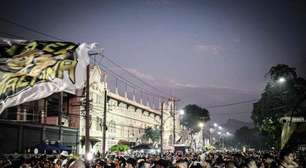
[(119, 148), (152, 134), (282, 70), (278, 100), (194, 114), (248, 136)]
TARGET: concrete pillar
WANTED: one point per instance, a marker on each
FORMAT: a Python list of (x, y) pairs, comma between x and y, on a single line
[(18, 114), (42, 120), (24, 115)]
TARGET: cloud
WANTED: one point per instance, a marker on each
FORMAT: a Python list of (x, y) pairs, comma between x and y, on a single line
[(203, 95), (188, 85), (174, 83), (159, 81), (167, 83), (140, 74), (211, 49)]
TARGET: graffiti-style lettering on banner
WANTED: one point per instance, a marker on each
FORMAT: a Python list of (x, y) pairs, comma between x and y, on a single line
[(34, 68)]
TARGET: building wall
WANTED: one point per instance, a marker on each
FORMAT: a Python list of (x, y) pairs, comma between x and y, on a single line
[(126, 119), (74, 111), (17, 136)]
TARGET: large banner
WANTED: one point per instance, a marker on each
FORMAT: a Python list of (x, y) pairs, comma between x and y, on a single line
[(31, 70)]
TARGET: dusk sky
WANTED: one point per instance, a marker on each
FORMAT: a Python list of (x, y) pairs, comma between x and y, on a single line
[(204, 52)]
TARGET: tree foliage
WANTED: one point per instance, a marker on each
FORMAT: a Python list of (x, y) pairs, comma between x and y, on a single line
[(119, 148), (152, 134), (278, 100), (194, 114), (249, 136)]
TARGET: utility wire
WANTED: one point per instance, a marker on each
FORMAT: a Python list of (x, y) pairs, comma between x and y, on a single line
[(57, 38), (231, 104), (220, 106), (54, 37), (135, 76), (29, 29), (231, 113), (132, 84), (129, 82), (11, 35)]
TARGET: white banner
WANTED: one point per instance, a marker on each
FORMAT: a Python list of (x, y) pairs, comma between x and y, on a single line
[(34, 70)]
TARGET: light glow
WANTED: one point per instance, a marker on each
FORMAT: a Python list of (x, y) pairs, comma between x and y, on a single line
[(201, 125), (182, 112), (89, 156), (281, 80)]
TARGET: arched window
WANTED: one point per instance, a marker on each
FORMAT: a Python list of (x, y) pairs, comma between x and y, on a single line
[(112, 126)]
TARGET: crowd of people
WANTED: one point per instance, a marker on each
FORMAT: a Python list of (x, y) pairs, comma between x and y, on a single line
[(211, 159)]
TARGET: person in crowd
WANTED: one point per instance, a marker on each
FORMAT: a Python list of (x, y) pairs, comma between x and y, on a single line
[(64, 158), (77, 164), (212, 159), (287, 159), (57, 163), (130, 163), (230, 164), (251, 163), (268, 161)]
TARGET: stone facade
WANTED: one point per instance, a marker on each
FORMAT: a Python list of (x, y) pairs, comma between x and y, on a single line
[(126, 119)]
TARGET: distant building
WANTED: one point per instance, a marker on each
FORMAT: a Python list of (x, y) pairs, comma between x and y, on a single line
[(126, 116)]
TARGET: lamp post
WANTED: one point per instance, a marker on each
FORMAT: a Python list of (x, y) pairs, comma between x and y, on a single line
[(201, 125), (161, 128), (172, 115), (211, 130), (220, 136)]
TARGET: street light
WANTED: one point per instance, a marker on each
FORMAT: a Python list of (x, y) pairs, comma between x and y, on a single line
[(215, 125), (220, 128), (89, 156), (181, 112), (281, 80), (201, 125)]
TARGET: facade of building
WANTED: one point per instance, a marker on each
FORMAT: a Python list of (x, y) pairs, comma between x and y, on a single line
[(126, 119), (18, 137), (35, 122)]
